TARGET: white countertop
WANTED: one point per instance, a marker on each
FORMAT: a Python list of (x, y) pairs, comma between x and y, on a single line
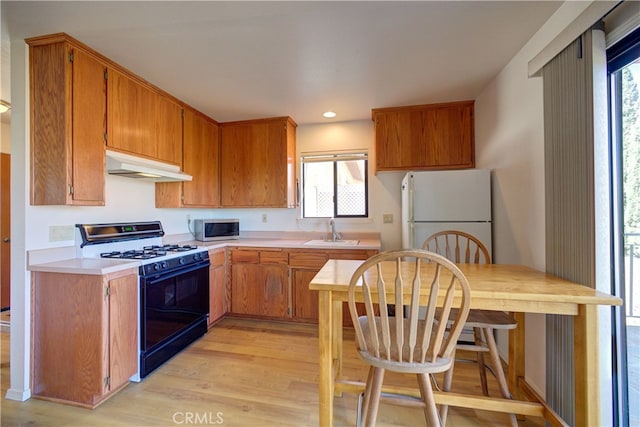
[(93, 266), (363, 244), (62, 260)]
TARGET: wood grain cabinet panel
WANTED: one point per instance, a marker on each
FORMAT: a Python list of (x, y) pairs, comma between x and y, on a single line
[(68, 123), (142, 121), (218, 295), (258, 163), (200, 160), (425, 137), (84, 332), (260, 283), (304, 266)]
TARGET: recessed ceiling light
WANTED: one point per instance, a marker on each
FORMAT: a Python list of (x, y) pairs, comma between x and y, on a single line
[(329, 114)]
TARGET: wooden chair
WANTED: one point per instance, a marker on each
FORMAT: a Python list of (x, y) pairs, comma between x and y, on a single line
[(461, 247), (417, 342)]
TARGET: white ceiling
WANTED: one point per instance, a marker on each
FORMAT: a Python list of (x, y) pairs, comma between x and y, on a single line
[(245, 60)]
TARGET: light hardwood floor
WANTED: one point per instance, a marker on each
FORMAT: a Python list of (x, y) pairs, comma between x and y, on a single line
[(241, 373)]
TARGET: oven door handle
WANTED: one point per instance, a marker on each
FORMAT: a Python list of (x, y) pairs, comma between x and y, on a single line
[(159, 277)]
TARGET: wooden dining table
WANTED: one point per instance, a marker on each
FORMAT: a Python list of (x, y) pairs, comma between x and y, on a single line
[(513, 288)]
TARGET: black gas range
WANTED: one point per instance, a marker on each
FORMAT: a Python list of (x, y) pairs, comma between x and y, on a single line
[(174, 285)]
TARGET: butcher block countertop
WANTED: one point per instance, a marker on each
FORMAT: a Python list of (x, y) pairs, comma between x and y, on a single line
[(64, 260)]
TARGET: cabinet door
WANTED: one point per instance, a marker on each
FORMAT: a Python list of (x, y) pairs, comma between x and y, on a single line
[(89, 111), (217, 286), (305, 301), (274, 281), (142, 121), (245, 289), (167, 130), (131, 115), (258, 164), (70, 336), (123, 329), (200, 160), (217, 294), (398, 140), (68, 120), (448, 136), (260, 283), (422, 137)]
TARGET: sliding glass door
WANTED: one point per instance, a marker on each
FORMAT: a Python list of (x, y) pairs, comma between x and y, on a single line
[(624, 72)]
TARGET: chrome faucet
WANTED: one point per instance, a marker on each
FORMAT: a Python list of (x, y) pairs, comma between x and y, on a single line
[(335, 236)]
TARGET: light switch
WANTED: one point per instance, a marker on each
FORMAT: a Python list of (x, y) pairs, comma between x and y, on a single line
[(387, 218)]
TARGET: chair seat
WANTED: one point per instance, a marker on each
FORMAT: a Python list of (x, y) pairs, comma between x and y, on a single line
[(490, 319), (431, 364), (487, 319)]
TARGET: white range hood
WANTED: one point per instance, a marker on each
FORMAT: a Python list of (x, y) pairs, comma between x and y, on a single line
[(144, 169)]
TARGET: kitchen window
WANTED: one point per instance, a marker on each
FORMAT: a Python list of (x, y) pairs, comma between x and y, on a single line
[(335, 185)]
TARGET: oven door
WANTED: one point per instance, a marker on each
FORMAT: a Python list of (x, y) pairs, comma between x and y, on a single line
[(173, 302)]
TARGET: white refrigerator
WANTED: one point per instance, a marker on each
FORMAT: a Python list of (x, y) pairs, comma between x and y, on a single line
[(435, 201)]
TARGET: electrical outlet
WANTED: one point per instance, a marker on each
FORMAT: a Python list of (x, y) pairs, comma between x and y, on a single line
[(60, 233), (264, 217), (387, 218)]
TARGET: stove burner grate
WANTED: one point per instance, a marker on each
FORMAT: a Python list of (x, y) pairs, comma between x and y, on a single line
[(148, 252)]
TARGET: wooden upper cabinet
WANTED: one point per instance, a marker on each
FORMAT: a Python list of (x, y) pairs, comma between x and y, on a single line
[(68, 122), (425, 137), (201, 157), (257, 167), (142, 121)]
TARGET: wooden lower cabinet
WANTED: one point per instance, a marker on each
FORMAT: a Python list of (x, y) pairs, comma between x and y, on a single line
[(274, 283), (304, 266), (260, 283), (305, 302), (218, 305), (84, 333)]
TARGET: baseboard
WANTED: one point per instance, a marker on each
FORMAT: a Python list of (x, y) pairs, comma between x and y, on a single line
[(19, 395)]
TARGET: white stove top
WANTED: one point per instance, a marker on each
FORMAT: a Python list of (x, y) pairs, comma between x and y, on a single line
[(145, 250)]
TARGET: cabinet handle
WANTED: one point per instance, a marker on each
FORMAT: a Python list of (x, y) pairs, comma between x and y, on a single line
[(6, 240)]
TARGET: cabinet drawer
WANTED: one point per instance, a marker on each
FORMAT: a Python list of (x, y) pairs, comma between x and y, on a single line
[(216, 257), (355, 254), (274, 257), (308, 259), (245, 256)]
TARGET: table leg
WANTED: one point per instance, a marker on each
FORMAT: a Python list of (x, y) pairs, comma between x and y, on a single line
[(336, 342), (325, 329), (516, 355), (585, 348)]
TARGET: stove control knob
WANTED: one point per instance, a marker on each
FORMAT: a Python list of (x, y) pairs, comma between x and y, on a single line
[(181, 261), (164, 264), (156, 266), (197, 257)]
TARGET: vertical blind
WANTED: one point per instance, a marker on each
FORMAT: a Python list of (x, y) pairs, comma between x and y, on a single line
[(569, 202)]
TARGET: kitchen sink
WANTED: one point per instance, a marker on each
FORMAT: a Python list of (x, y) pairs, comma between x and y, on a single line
[(332, 243)]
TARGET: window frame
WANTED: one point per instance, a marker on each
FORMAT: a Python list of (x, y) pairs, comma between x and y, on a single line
[(335, 157)]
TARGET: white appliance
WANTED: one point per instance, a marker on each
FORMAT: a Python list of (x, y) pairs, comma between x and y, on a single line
[(446, 200)]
